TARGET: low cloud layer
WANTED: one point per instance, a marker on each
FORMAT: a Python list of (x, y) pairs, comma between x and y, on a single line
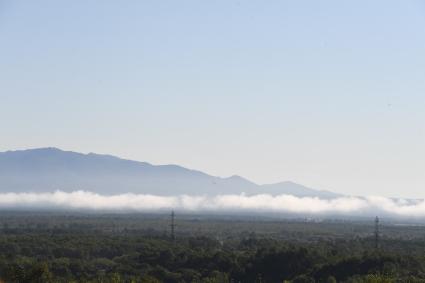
[(350, 206)]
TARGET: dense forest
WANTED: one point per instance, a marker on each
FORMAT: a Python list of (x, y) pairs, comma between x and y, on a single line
[(61, 247)]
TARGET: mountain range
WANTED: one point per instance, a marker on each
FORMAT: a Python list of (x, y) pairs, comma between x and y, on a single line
[(51, 169)]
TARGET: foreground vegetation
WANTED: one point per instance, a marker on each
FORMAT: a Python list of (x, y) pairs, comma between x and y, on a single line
[(48, 247)]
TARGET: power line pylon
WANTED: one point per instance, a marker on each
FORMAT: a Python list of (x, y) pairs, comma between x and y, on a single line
[(376, 232), (173, 226)]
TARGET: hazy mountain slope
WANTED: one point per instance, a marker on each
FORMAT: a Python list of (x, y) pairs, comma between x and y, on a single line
[(48, 169), (292, 188)]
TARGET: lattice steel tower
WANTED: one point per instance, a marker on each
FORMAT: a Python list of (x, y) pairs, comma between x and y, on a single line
[(173, 225), (377, 232)]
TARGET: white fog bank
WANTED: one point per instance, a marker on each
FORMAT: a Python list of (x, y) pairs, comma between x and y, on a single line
[(83, 200)]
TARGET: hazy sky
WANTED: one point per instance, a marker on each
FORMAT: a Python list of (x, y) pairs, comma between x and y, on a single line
[(330, 94)]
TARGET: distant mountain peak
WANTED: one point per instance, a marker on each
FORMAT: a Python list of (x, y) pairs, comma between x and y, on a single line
[(50, 168)]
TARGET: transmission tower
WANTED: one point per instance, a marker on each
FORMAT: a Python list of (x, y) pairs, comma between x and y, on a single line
[(173, 225), (377, 232)]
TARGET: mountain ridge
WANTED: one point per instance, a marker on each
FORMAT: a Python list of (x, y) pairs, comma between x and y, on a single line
[(50, 168)]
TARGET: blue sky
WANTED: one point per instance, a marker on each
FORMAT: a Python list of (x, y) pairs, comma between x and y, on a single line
[(330, 94)]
